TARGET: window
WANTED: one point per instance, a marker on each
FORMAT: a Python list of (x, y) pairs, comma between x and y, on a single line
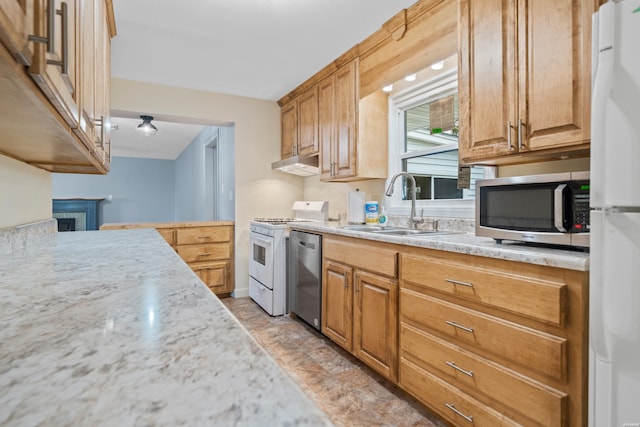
[(423, 141)]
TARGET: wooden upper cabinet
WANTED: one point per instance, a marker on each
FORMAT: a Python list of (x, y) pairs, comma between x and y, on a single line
[(353, 130), (299, 119), (326, 134), (55, 85), (308, 122), (102, 82), (86, 129), (289, 123), (346, 96), (94, 116), (54, 66), (16, 25), (524, 81), (338, 100)]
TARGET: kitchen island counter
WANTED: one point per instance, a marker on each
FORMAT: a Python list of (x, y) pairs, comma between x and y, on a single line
[(113, 328), (466, 243)]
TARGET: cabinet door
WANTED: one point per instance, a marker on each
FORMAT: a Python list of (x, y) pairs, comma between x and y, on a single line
[(289, 123), (337, 303), (308, 122), (55, 69), (345, 121), (102, 86), (326, 126), (487, 79), (88, 52), (16, 24), (215, 275), (554, 62), (375, 323)]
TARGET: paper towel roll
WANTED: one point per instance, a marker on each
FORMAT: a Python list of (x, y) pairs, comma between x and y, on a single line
[(356, 213)]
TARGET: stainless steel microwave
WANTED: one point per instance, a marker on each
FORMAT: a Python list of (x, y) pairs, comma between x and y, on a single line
[(551, 209)]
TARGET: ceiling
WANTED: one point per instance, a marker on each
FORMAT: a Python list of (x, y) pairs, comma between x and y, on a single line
[(254, 48)]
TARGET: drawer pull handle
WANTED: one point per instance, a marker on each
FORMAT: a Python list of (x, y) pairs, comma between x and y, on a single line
[(205, 254), (455, 325), (204, 237), (457, 368), (457, 282), (453, 408)]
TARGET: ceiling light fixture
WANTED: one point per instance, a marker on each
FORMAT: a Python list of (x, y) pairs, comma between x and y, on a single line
[(387, 88), (438, 65), (410, 77), (146, 128)]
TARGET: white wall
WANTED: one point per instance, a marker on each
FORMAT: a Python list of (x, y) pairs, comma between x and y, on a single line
[(337, 193), (259, 190), (25, 193), (227, 190), (194, 177)]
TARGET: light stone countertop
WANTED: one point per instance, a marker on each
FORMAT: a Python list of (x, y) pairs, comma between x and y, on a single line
[(466, 243), (111, 328)]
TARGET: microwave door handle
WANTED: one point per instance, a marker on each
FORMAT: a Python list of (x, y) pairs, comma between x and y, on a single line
[(558, 207)]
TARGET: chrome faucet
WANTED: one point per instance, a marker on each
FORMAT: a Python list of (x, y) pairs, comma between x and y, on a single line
[(413, 218)]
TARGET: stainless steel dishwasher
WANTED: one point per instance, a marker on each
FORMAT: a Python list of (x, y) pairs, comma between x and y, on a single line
[(305, 269)]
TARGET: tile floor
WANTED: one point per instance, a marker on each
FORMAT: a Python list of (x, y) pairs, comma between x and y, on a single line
[(347, 390)]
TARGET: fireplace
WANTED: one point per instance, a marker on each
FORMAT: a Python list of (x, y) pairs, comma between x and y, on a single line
[(66, 224), (76, 214)]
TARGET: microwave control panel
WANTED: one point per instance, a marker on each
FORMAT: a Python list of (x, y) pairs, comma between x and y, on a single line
[(580, 206)]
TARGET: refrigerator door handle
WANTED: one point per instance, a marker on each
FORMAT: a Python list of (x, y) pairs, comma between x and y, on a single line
[(558, 207), (597, 320)]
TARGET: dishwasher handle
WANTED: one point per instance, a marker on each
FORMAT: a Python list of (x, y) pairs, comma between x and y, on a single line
[(307, 244)]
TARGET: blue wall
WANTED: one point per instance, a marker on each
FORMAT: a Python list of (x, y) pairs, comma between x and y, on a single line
[(142, 190), (194, 171)]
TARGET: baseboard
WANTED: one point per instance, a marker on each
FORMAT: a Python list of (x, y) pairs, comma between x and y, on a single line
[(240, 293)]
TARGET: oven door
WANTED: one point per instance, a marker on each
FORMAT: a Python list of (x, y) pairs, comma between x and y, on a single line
[(261, 259)]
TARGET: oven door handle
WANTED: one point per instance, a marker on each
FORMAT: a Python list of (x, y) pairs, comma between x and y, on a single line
[(258, 239), (558, 207)]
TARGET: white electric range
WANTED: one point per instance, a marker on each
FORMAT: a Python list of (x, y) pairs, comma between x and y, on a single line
[(268, 255)]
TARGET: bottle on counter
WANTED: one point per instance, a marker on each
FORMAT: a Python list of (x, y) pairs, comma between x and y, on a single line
[(383, 219)]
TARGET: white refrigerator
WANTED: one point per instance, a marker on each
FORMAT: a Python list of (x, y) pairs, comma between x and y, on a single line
[(614, 311)]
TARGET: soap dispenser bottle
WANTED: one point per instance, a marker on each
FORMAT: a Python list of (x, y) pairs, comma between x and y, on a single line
[(383, 219)]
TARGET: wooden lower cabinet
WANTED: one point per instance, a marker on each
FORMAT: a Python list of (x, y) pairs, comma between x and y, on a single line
[(359, 307), (479, 341), (448, 401), (207, 247), (376, 322), (337, 303), (466, 353), (216, 275)]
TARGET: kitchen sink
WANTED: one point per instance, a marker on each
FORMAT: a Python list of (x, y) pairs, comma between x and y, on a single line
[(395, 231), (371, 228), (410, 232)]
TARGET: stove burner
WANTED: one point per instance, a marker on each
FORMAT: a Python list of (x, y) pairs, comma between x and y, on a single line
[(279, 221)]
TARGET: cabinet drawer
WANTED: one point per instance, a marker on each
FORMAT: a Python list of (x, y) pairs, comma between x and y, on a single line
[(533, 349), (538, 299), (536, 403), (189, 236), (454, 405), (378, 260), (209, 252)]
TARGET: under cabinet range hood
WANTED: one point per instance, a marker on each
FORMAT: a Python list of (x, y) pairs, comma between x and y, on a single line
[(298, 165)]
